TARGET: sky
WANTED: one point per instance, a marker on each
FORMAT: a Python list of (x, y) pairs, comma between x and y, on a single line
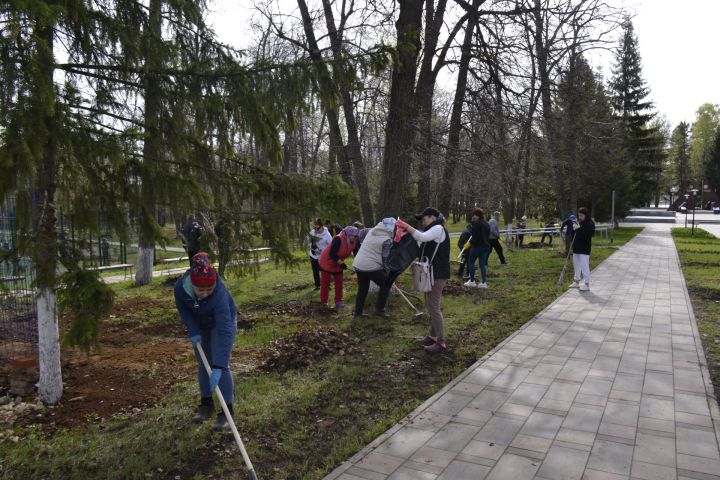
[(678, 40)]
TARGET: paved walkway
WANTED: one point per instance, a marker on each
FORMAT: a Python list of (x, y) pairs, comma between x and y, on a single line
[(603, 385)]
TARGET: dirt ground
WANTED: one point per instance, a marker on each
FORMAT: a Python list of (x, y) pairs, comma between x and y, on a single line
[(141, 357)]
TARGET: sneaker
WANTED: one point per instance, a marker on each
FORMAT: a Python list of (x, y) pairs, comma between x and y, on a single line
[(340, 304), (221, 424), (382, 314), (204, 412), (575, 284), (470, 283), (584, 287), (436, 347), (482, 285), (427, 341)]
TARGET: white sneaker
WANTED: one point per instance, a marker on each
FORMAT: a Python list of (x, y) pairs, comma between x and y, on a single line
[(575, 284), (482, 285), (584, 287), (471, 283)]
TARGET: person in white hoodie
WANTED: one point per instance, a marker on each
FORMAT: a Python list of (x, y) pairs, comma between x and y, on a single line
[(318, 238), (368, 265)]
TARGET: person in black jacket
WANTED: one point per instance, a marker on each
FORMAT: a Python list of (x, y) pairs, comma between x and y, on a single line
[(479, 248), (584, 230), (464, 253), (192, 233)]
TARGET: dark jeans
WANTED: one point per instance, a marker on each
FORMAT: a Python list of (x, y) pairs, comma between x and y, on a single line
[(549, 235), (478, 253), (316, 271), (495, 245), (364, 278), (519, 240)]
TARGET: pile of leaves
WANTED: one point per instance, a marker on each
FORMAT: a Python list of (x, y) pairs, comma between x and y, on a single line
[(301, 349), (455, 289)]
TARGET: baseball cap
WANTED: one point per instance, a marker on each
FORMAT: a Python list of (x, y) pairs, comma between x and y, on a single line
[(427, 212)]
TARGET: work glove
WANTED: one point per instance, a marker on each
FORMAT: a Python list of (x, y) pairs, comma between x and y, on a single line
[(576, 225), (401, 224), (466, 246), (215, 378), (195, 339)]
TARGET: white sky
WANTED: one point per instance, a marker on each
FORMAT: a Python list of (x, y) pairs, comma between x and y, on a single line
[(679, 43)]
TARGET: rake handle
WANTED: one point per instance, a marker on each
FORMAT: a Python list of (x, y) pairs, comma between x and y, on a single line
[(229, 417)]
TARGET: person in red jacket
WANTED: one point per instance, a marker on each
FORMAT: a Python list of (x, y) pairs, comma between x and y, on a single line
[(332, 263)]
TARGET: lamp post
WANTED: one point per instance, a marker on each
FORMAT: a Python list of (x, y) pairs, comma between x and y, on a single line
[(687, 196), (673, 191), (695, 192)]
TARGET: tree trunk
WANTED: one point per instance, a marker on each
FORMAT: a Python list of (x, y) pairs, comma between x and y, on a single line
[(453, 148), (327, 93), (399, 131), (353, 150), (548, 117), (151, 147), (424, 93), (50, 384)]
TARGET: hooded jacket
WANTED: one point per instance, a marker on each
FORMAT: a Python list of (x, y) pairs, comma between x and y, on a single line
[(374, 249), (319, 241), (215, 314), (342, 250)]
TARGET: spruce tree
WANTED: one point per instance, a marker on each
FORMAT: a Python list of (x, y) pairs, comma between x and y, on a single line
[(680, 156), (641, 145)]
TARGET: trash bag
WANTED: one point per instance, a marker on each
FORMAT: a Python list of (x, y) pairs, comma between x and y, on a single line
[(402, 255)]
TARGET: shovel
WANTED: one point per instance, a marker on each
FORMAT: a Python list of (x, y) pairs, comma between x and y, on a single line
[(229, 417)]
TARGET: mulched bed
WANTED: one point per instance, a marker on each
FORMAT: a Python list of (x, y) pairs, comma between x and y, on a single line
[(303, 348)]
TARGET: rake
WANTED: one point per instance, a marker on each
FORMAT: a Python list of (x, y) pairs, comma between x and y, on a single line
[(570, 252), (229, 417)]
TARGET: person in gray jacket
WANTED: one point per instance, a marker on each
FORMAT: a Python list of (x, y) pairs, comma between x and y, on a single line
[(368, 266), (495, 237)]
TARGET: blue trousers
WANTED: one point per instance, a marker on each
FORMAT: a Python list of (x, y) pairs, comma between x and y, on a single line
[(481, 253), (226, 381)]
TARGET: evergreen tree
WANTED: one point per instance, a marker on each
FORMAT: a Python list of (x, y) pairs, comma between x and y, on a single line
[(588, 140), (138, 116), (712, 168), (641, 145), (680, 156), (707, 120)]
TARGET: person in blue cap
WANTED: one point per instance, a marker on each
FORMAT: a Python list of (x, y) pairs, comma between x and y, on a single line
[(567, 232)]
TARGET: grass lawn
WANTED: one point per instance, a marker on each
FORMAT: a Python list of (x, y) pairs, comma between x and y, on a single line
[(700, 259), (301, 423)]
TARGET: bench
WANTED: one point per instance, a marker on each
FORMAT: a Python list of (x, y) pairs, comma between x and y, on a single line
[(173, 260), (118, 266)]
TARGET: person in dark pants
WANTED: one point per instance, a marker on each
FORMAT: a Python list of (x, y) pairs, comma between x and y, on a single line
[(464, 253), (368, 265), (549, 226), (495, 238), (521, 225), (209, 314), (104, 252), (479, 248), (318, 238), (567, 232), (192, 233)]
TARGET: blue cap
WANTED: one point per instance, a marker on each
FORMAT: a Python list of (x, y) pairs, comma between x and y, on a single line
[(572, 218)]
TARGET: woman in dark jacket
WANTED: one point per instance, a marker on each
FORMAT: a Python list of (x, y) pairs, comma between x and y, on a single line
[(584, 230), (435, 246), (208, 312)]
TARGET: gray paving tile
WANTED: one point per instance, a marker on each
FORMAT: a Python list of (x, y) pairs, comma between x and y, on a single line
[(654, 449), (648, 471), (542, 425), (701, 443), (658, 384), (621, 414), (611, 457), (563, 464), (410, 474), (515, 467), (458, 470), (499, 430), (433, 456), (583, 418), (453, 437)]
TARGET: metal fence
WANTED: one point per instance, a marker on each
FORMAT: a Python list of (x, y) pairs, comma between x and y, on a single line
[(18, 314)]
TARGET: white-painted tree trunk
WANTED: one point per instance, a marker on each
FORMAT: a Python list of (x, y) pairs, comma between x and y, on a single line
[(144, 265), (50, 385)]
